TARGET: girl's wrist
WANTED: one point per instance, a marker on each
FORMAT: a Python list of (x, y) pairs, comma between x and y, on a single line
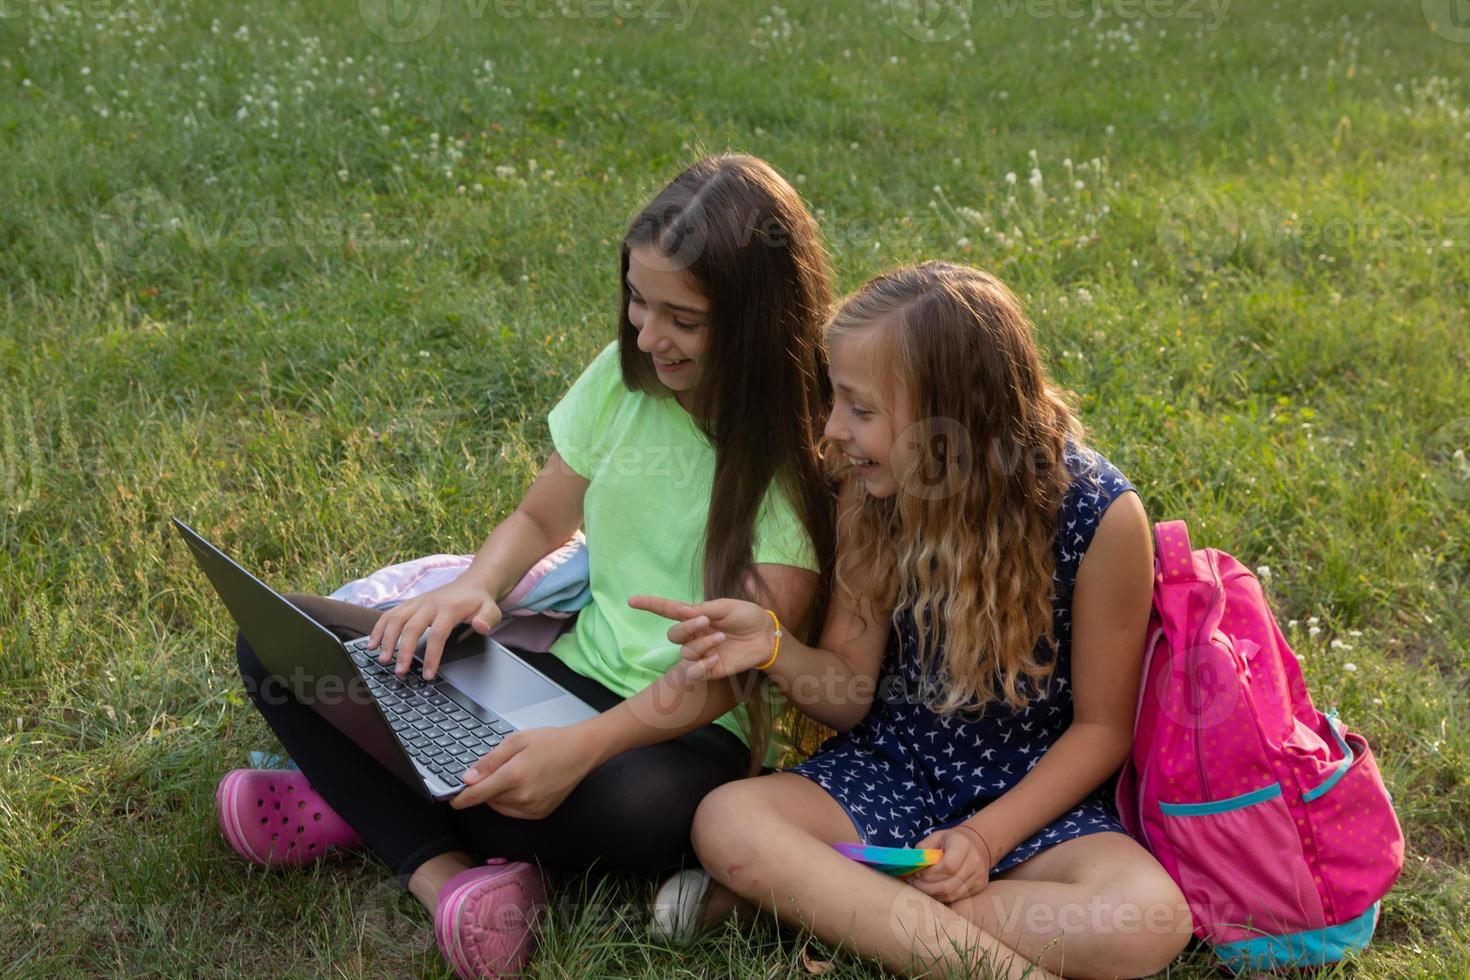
[(977, 837)]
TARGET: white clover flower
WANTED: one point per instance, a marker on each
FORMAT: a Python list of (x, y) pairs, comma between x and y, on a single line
[(1355, 632), (1010, 176), (423, 353), (1312, 621), (1339, 645), (342, 175), (1264, 573), (1035, 179), (1350, 667), (1314, 630), (1378, 701), (1291, 624)]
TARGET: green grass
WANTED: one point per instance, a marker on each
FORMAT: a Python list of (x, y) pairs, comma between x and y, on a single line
[(241, 285)]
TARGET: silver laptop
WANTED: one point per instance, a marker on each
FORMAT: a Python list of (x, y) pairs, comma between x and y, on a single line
[(425, 732)]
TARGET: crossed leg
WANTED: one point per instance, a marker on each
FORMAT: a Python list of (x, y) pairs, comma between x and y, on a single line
[(767, 841), (1095, 906)]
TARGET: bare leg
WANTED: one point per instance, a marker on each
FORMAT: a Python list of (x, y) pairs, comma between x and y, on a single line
[(1095, 906), (429, 878), (768, 840), (721, 902)]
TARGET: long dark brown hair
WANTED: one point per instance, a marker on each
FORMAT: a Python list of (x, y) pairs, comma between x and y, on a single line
[(743, 236)]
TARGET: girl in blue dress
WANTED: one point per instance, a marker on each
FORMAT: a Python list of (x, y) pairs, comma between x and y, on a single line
[(979, 663)]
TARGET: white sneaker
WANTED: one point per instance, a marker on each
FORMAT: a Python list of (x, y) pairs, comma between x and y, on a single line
[(678, 908)]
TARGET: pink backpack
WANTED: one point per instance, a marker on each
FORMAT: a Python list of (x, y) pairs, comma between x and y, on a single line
[(1269, 815)]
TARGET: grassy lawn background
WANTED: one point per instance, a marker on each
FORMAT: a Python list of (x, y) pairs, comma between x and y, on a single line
[(314, 290)]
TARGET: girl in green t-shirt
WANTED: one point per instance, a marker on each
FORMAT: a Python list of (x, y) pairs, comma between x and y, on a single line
[(688, 450)]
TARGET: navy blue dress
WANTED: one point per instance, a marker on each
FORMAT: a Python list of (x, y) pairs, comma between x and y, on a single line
[(904, 771)]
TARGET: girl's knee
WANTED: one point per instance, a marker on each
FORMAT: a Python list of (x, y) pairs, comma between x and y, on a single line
[(727, 826), (1151, 927), (713, 819)]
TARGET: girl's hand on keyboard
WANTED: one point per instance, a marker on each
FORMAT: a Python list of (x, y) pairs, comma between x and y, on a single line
[(438, 611), (529, 774)]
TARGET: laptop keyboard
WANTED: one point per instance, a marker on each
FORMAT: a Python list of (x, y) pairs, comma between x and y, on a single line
[(442, 736)]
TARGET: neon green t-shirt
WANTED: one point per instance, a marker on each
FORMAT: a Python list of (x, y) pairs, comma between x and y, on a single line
[(644, 515)]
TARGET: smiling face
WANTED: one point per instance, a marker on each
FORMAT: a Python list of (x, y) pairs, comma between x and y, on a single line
[(869, 409), (672, 318)]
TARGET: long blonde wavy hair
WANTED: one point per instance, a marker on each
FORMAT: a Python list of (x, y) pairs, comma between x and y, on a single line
[(967, 541)]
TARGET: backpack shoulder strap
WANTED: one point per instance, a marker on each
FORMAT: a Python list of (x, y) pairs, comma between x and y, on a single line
[(1173, 556)]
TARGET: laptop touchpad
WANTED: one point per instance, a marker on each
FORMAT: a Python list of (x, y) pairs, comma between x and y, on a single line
[(498, 681)]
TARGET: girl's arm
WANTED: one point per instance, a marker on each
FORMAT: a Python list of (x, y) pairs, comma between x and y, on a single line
[(679, 702), (832, 682), (1110, 609), (548, 515), (532, 772)]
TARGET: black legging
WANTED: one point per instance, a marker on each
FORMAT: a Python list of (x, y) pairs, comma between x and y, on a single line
[(632, 813)]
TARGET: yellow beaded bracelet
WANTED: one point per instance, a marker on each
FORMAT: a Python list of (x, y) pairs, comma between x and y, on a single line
[(777, 651)]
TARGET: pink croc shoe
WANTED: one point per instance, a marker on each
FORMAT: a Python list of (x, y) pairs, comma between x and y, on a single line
[(273, 816), (486, 917)]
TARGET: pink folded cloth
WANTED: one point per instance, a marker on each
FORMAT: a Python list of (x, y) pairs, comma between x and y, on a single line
[(522, 628)]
